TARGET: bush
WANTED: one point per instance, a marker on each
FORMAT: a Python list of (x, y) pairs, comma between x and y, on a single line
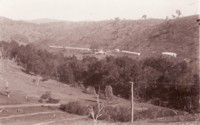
[(74, 84), (45, 78), (46, 95), (123, 113), (119, 113), (90, 90), (102, 96), (52, 100), (75, 108)]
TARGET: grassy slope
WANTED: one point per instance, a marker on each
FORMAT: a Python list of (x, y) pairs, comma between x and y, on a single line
[(21, 85)]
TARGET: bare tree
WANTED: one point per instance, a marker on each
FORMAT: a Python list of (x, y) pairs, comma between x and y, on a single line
[(96, 113), (173, 16)]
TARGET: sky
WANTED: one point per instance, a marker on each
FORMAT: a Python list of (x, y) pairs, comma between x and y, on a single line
[(84, 10)]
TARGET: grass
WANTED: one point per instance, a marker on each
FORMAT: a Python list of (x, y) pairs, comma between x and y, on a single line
[(121, 113), (21, 85)]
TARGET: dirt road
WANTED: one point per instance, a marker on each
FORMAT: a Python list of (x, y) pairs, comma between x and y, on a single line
[(28, 105)]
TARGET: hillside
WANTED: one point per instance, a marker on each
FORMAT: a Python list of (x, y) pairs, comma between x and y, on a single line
[(20, 111), (144, 36), (150, 37), (42, 20), (22, 85)]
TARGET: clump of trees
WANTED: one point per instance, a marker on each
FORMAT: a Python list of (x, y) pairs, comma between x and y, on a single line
[(169, 80)]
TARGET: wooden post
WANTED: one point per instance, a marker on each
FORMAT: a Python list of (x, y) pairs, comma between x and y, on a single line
[(132, 103)]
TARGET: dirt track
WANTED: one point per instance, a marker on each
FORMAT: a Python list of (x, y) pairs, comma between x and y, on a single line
[(56, 117), (37, 117), (28, 105)]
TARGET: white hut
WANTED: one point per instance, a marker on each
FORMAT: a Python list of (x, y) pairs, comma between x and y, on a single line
[(117, 50), (129, 52), (101, 52), (170, 54)]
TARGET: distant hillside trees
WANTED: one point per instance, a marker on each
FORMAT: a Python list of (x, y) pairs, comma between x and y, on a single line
[(170, 80), (144, 17), (178, 12), (173, 16)]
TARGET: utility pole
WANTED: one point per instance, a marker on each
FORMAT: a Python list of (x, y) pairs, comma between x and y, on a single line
[(132, 102)]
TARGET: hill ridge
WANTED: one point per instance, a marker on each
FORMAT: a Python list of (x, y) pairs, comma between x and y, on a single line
[(152, 35)]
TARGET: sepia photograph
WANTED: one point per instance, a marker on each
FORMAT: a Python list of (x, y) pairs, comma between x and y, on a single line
[(99, 62)]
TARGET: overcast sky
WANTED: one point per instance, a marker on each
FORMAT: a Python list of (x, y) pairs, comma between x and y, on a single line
[(80, 10)]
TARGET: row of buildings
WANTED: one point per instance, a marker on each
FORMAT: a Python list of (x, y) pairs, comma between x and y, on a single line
[(104, 52)]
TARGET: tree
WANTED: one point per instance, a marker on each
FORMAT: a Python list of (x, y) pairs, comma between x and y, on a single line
[(65, 73), (111, 72), (96, 111), (117, 18), (95, 73), (178, 12), (144, 17)]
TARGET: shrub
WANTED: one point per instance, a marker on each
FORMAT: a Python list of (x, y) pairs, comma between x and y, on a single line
[(75, 85), (90, 90), (119, 113), (46, 95), (102, 96), (53, 100), (75, 108), (45, 78)]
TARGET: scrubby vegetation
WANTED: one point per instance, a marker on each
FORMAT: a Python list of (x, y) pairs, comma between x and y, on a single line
[(46, 97), (75, 108), (123, 113), (168, 79), (119, 113)]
